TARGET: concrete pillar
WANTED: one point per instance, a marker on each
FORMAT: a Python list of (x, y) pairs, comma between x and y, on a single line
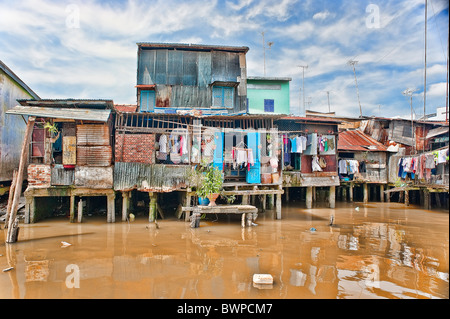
[(152, 207), (80, 210), (278, 206), (111, 209), (332, 197), (72, 209), (309, 197), (125, 205), (30, 209), (366, 193)]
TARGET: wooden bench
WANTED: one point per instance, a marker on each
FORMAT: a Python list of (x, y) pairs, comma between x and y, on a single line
[(249, 213)]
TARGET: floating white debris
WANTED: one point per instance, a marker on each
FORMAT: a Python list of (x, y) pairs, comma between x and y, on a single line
[(132, 217), (357, 209), (65, 244), (8, 269), (264, 279)]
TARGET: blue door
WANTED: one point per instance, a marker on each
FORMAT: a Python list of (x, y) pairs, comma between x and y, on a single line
[(254, 173), (218, 151)]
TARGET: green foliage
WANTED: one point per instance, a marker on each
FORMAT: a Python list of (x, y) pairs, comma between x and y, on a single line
[(207, 180), (51, 127)]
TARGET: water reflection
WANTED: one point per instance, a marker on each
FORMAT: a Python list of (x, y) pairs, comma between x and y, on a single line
[(380, 251)]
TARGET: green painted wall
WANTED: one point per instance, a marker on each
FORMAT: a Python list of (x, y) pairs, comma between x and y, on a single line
[(260, 89)]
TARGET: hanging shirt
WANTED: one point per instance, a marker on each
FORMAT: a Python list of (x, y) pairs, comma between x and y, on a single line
[(293, 145), (163, 143), (342, 167), (315, 164)]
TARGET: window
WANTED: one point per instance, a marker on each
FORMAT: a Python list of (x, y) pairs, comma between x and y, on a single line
[(223, 96), (269, 105), (147, 101)]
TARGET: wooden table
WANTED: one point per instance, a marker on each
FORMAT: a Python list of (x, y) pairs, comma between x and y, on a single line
[(249, 213)]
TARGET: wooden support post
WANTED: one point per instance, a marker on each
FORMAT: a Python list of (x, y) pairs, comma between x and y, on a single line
[(406, 197), (243, 220), (264, 202), (287, 194), (13, 228), (366, 193), (111, 210), (152, 207), (382, 193), (309, 197), (125, 205), (278, 204), (438, 199), (343, 193), (332, 197), (270, 201), (426, 199), (351, 192), (80, 210), (244, 199), (10, 198), (72, 209)]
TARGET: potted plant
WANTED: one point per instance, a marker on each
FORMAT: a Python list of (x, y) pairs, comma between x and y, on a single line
[(208, 181)]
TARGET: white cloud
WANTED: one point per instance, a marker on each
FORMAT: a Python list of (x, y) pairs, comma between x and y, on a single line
[(321, 15)]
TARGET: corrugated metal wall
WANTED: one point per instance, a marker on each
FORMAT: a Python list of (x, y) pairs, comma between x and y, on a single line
[(93, 146), (146, 177), (183, 77)]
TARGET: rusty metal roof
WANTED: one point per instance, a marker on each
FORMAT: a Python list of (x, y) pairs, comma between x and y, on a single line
[(355, 140), (62, 113), (190, 46)]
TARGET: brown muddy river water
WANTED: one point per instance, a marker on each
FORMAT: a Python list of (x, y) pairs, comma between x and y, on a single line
[(378, 250)]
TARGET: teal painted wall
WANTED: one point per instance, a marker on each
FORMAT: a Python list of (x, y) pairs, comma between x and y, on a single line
[(258, 90)]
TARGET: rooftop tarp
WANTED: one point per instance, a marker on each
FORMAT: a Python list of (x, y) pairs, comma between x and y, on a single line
[(62, 113)]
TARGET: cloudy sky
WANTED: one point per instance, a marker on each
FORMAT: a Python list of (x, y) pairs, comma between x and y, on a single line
[(87, 48)]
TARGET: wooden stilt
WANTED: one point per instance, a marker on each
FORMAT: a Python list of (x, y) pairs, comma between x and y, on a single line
[(10, 197), (438, 199), (13, 228), (406, 197), (152, 207), (278, 206), (351, 192), (72, 209), (382, 193), (366, 193), (80, 210), (309, 197), (332, 197), (111, 210)]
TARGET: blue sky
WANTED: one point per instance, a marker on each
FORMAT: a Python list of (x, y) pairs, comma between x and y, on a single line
[(87, 48)]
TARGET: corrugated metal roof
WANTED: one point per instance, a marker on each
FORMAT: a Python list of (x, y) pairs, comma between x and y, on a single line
[(69, 103), (125, 107), (193, 46), (62, 113), (355, 140)]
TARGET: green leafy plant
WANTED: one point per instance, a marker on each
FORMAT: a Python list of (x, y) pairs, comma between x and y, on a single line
[(51, 127), (207, 180)]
